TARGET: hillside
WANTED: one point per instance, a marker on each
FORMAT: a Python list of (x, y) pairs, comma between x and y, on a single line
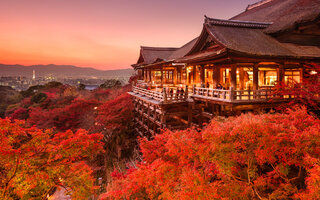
[(61, 71)]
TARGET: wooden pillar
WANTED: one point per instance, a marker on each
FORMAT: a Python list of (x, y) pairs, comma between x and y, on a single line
[(147, 74), (202, 75), (180, 75), (280, 74), (216, 76), (256, 76), (161, 69), (163, 119), (194, 74), (155, 118), (148, 119), (175, 76), (241, 78), (234, 76), (302, 72), (150, 76)]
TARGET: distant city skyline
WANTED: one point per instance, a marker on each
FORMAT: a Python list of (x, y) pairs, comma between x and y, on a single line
[(102, 34)]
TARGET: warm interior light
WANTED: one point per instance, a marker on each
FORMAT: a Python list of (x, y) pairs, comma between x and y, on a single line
[(313, 73)]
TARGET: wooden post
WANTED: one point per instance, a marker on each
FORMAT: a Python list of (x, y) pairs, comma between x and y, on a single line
[(155, 118), (164, 94), (241, 78), (216, 76), (180, 75), (234, 76), (255, 77), (194, 69), (150, 78), (175, 76), (202, 75), (147, 75), (142, 74), (148, 113), (186, 92), (302, 72), (280, 74), (231, 93), (161, 69)]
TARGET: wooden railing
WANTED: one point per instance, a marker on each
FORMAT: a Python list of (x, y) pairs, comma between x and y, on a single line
[(234, 95), (149, 93), (215, 94), (164, 96), (210, 94)]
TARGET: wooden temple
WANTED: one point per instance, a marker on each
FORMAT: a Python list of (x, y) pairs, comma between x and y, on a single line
[(232, 67)]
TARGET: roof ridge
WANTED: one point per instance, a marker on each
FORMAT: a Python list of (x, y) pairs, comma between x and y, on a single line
[(159, 48), (257, 4), (236, 23)]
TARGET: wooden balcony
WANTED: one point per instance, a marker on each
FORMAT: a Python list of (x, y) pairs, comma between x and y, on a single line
[(235, 96), (218, 95), (160, 97)]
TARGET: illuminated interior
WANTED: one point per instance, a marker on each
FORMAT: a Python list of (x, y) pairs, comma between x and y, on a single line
[(292, 76), (267, 76)]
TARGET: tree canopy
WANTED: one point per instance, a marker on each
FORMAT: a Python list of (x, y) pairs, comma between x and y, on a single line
[(35, 161), (268, 156)]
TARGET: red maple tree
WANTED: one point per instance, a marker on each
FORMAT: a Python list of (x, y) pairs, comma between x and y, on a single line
[(35, 161), (269, 156)]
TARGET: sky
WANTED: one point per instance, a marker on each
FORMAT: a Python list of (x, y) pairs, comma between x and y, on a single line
[(103, 34)]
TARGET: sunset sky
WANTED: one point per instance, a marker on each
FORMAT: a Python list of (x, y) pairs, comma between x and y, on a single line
[(103, 34)]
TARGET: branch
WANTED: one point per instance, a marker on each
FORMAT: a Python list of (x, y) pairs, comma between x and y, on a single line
[(13, 175)]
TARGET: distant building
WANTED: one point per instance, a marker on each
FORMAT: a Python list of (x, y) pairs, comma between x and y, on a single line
[(33, 74), (230, 68)]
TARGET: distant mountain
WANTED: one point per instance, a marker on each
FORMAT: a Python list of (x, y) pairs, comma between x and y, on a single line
[(60, 71)]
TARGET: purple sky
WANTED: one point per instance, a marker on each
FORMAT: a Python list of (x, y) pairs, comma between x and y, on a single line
[(101, 33)]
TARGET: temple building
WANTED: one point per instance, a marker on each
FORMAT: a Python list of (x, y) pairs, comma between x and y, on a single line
[(232, 67)]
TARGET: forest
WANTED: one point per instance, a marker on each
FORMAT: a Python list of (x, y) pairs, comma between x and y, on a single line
[(57, 135)]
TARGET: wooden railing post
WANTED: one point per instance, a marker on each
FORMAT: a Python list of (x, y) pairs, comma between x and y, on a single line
[(164, 94), (194, 89), (231, 94), (186, 92)]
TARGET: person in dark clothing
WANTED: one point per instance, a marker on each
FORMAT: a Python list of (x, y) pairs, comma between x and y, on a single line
[(219, 87)]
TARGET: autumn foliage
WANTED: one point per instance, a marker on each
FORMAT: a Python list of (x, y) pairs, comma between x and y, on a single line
[(268, 156), (34, 161), (303, 93)]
